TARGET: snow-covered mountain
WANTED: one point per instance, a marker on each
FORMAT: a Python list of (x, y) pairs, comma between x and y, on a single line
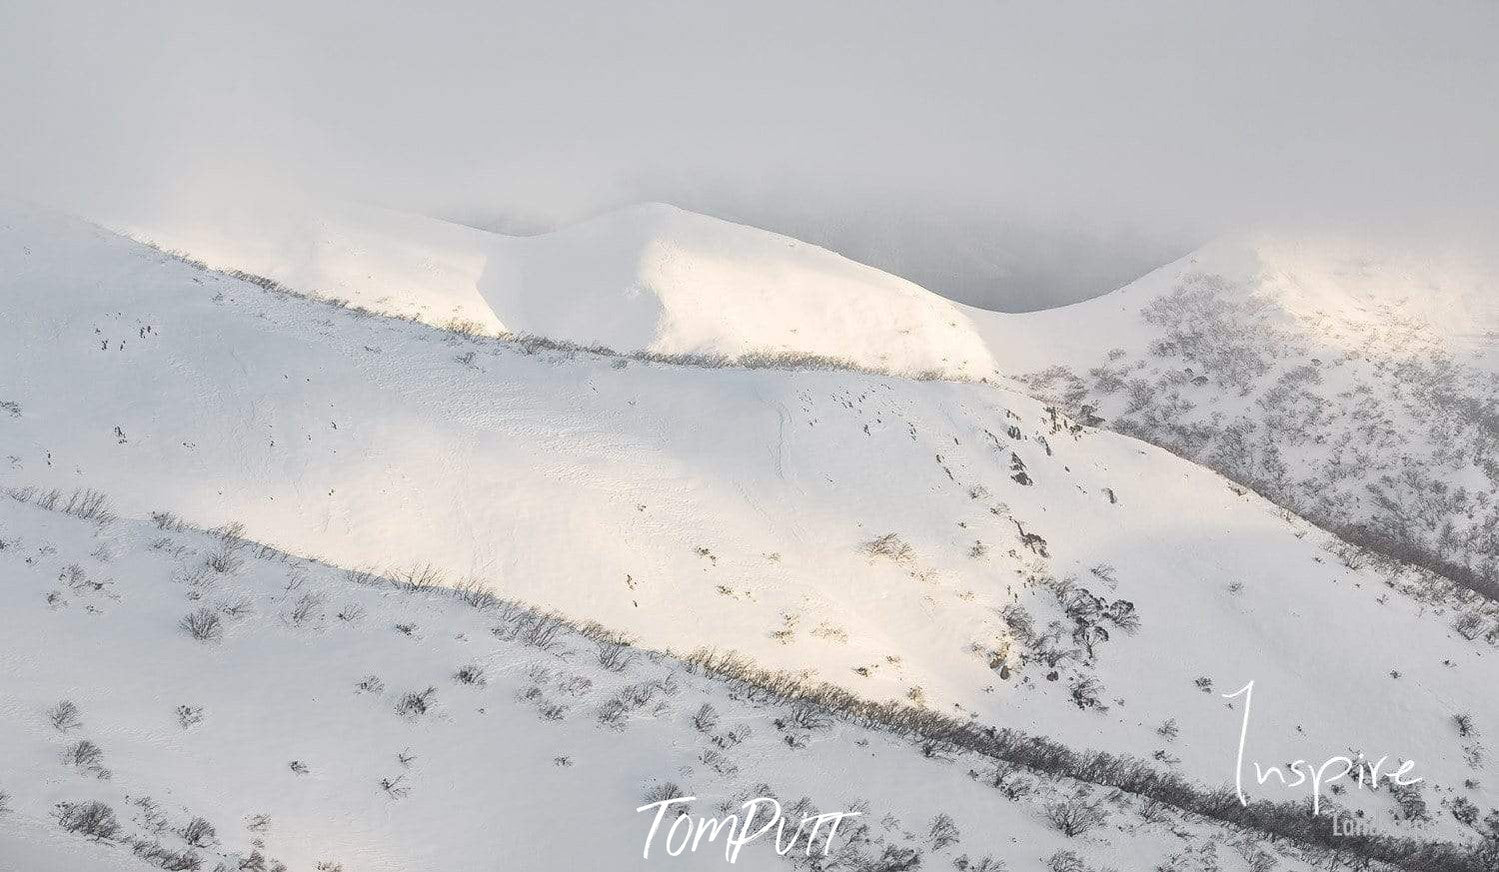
[(945, 547), (1353, 380), (1355, 383)]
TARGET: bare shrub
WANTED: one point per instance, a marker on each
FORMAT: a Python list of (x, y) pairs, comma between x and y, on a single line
[(169, 521), (463, 327), (477, 593), (1412, 805), (170, 859), (944, 832), (199, 833), (1154, 811), (150, 816), (938, 746), (1009, 779), (1470, 625), (612, 713), (189, 715), (92, 819), (1073, 817), (705, 719), (421, 578), (719, 763), (366, 575), (78, 581), (307, 609), (414, 704), (231, 534), (394, 788), (614, 655), (89, 505), (1019, 621), (632, 698), (471, 675), (202, 624), (534, 629), (226, 559), (807, 716), (21, 494), (1106, 573), (664, 791), (83, 754), (1464, 810), (65, 716), (890, 546)]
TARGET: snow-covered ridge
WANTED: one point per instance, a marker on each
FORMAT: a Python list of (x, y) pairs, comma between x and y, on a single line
[(1356, 382), (1334, 288), (651, 278)]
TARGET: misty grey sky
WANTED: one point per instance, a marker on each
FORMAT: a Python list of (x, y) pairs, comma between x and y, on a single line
[(1002, 153)]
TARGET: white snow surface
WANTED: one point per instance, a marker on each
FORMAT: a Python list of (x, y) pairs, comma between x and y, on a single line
[(514, 768), (687, 506), (1339, 286), (651, 278), (1353, 380)]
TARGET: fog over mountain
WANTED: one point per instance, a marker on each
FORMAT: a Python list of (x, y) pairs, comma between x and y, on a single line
[(1004, 154)]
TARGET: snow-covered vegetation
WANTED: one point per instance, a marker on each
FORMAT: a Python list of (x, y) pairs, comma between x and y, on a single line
[(1356, 386), (340, 720), (396, 593)]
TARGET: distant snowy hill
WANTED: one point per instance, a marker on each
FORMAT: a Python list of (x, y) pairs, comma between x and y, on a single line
[(649, 278), (1354, 382)]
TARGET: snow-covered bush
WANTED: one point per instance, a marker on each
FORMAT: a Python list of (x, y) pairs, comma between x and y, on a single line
[(1073, 817), (202, 624), (93, 819)]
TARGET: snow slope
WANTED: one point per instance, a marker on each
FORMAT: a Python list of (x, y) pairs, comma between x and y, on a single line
[(870, 531), (1355, 382), (285, 734), (648, 278)]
